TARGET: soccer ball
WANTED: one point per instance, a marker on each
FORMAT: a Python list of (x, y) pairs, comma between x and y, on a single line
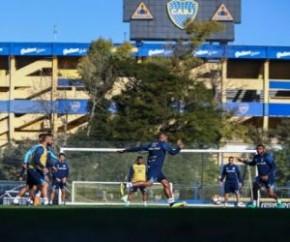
[(216, 199)]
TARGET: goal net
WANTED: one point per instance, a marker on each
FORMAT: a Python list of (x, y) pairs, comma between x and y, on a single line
[(108, 193), (96, 174)]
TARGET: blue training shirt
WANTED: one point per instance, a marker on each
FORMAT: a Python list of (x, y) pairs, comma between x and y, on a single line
[(62, 170), (51, 157), (265, 163), (29, 153), (50, 153), (232, 173), (157, 153)]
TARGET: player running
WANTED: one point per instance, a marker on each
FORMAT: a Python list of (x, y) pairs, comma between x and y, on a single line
[(37, 166), (266, 175), (29, 184), (231, 173), (137, 173), (157, 152), (61, 173)]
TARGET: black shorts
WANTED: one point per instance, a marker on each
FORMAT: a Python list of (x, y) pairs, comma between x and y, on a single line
[(156, 176), (35, 177), (58, 185), (30, 181), (231, 187), (141, 188), (268, 184)]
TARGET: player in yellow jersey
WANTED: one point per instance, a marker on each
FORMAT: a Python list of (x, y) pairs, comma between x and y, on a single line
[(137, 173), (37, 166)]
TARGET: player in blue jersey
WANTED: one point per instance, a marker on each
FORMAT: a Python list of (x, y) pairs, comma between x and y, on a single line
[(51, 160), (29, 184), (266, 166), (233, 181), (157, 152), (28, 155), (61, 173)]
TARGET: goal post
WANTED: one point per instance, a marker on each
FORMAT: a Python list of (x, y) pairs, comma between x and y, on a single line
[(96, 174)]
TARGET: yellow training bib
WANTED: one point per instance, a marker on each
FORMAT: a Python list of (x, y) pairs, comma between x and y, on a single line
[(139, 173)]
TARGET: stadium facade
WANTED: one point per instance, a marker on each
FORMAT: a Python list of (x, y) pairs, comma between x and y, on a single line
[(39, 84), (40, 88)]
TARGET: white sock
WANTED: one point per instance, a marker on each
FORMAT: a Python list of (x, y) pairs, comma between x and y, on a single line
[(279, 201), (45, 200), (255, 202), (145, 203), (16, 199), (170, 200), (129, 185)]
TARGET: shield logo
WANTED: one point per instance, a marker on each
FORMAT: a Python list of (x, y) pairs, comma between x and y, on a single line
[(180, 11), (75, 106), (243, 108)]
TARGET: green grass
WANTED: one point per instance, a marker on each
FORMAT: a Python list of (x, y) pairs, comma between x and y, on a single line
[(94, 223)]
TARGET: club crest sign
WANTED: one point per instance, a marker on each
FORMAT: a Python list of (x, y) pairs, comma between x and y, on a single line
[(180, 11)]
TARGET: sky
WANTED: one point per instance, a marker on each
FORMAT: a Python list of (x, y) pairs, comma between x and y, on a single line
[(264, 22)]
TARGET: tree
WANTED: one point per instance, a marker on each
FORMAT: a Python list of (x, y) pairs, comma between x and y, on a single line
[(164, 94), (99, 73), (11, 159), (157, 99), (281, 133), (282, 158)]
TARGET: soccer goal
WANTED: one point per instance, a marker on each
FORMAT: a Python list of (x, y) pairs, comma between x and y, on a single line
[(108, 193), (96, 174)]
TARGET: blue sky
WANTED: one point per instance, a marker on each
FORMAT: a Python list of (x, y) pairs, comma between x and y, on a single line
[(264, 22)]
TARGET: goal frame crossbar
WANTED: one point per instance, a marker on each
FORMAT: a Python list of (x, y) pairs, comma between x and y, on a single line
[(250, 151)]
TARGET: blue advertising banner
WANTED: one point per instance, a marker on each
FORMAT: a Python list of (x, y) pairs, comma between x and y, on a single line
[(258, 109), (29, 106), (245, 52), (70, 49), (31, 49), (4, 48), (210, 51), (150, 50), (281, 85), (245, 109), (59, 106), (80, 106), (4, 106), (64, 82), (72, 106), (279, 110), (280, 53)]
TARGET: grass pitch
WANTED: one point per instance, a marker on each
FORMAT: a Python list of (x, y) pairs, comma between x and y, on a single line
[(95, 223)]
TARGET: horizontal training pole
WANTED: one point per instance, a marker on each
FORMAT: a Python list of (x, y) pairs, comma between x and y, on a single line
[(103, 183), (63, 149)]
